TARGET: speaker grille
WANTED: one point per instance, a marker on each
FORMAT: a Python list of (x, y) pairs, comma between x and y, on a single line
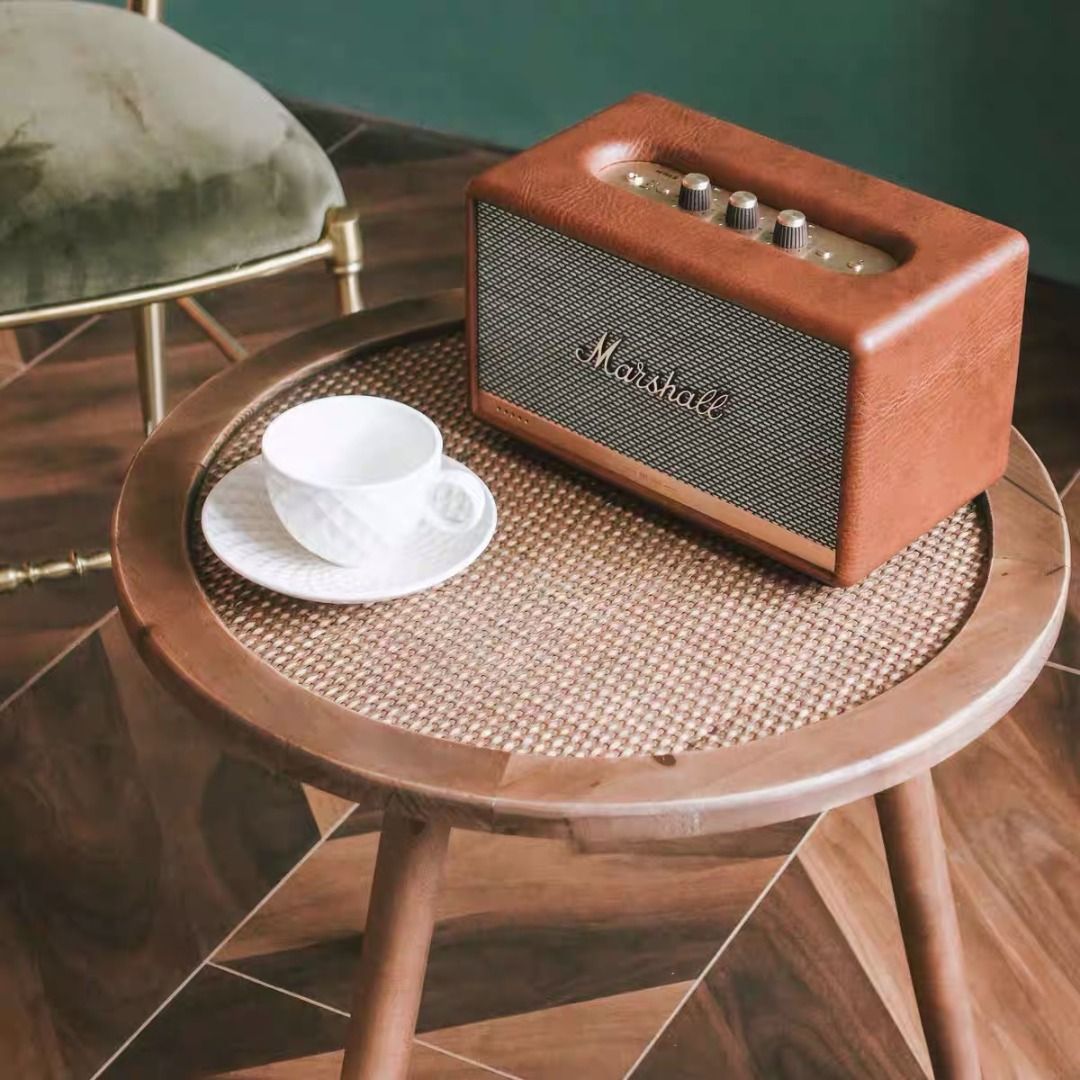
[(777, 451)]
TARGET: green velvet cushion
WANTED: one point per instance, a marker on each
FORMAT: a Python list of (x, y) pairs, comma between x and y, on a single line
[(131, 157)]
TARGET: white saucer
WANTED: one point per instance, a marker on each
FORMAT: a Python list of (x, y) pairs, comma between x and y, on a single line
[(245, 534)]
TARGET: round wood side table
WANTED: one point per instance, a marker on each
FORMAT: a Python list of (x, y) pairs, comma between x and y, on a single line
[(603, 671)]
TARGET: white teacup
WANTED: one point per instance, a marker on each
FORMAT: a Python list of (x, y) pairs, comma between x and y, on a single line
[(351, 477)]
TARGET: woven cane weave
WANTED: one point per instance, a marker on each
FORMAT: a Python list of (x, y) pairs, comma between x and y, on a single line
[(593, 625)]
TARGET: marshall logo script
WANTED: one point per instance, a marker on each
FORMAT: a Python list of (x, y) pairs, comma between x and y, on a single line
[(662, 385)]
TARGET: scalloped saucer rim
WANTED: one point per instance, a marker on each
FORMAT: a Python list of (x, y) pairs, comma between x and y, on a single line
[(243, 531)]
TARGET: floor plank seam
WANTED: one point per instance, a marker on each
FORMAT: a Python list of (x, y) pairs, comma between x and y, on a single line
[(351, 134), (49, 350), (220, 945), (146, 1023), (468, 1061), (272, 986), (341, 1012), (266, 899), (84, 634), (1057, 511), (1062, 667), (747, 915)]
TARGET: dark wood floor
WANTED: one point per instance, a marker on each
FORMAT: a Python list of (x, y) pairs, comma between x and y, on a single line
[(169, 911)]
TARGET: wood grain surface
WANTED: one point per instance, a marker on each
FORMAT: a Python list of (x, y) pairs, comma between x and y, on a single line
[(220, 1022), (1010, 806), (68, 427), (426, 1064), (132, 847), (787, 998), (966, 688), (1019, 929), (845, 861), (583, 925)]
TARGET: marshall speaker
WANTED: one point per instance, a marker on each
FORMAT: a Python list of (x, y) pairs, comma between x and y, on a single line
[(773, 345)]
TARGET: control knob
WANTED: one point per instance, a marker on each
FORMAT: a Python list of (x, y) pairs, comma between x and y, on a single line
[(790, 231), (695, 192), (742, 211)]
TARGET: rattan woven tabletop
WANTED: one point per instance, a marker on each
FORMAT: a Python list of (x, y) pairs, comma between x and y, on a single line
[(593, 625)]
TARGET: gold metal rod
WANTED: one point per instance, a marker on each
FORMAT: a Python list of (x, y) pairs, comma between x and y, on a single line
[(350, 299), (148, 323), (152, 9), (347, 258), (275, 264), (75, 565), (230, 347)]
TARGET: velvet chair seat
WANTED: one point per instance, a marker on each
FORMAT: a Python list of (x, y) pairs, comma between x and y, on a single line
[(131, 157)]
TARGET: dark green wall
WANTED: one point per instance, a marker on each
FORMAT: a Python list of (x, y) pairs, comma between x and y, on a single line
[(973, 101)]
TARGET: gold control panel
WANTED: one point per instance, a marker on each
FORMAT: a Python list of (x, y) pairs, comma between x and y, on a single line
[(823, 247)]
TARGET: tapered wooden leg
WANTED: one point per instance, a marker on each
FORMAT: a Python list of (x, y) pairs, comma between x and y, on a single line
[(390, 978), (924, 901), (347, 260), (149, 325)]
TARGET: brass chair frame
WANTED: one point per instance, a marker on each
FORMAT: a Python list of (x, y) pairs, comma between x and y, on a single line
[(340, 246)]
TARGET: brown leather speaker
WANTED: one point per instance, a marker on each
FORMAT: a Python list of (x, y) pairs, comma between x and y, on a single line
[(776, 346)]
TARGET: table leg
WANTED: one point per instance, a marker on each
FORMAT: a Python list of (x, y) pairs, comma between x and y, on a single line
[(924, 901), (390, 977)]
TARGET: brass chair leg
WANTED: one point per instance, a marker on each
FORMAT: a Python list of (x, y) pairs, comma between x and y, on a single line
[(75, 565), (152, 9), (149, 324), (230, 348), (347, 257)]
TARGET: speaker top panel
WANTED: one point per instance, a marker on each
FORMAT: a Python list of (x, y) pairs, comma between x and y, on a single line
[(789, 232), (919, 252)]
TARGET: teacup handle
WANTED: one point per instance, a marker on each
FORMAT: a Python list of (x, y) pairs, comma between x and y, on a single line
[(456, 501)]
